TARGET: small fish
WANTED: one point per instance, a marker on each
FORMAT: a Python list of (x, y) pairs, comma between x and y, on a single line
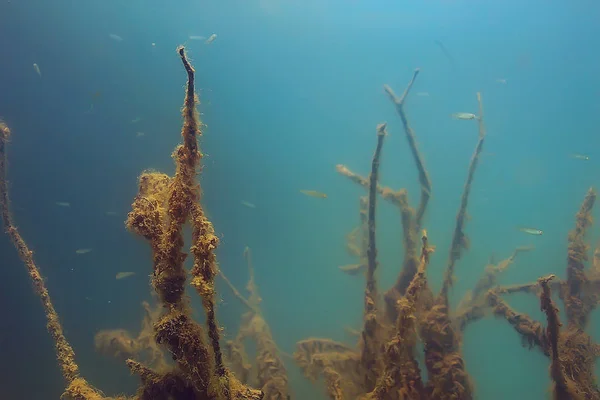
[(153, 44), (501, 80), (82, 251), (462, 115), (352, 269), (123, 275), (197, 37), (136, 120), (352, 331), (525, 248), (36, 68), (314, 193), (211, 38), (423, 94), (140, 134), (446, 52), (63, 204), (580, 156), (247, 204), (116, 38), (532, 231)]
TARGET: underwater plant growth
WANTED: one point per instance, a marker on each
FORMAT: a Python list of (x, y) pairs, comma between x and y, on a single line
[(383, 365)]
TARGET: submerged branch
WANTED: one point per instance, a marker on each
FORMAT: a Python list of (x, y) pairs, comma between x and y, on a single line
[(532, 333), (401, 372), (563, 388), (459, 239), (412, 142), (394, 197), (77, 387), (574, 291), (473, 304), (369, 356)]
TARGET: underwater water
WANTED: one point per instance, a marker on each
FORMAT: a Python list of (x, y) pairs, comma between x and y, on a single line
[(92, 92)]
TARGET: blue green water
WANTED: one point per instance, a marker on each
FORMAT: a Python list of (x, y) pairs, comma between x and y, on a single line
[(288, 90)]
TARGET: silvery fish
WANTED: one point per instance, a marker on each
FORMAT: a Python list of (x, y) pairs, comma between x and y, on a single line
[(352, 269), (248, 204), (352, 331), (123, 275), (580, 156), (314, 193), (83, 251), (532, 231), (211, 38), (462, 115)]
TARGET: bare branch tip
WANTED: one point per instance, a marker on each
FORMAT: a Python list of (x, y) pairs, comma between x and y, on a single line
[(545, 279)]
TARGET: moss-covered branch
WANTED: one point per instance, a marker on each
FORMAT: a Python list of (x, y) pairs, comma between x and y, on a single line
[(77, 387)]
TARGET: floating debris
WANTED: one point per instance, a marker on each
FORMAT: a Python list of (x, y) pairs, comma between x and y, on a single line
[(197, 37), (462, 115), (153, 44), (63, 204), (123, 275), (247, 204), (580, 157), (36, 68), (314, 193), (116, 38), (531, 231), (82, 251), (211, 38)]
